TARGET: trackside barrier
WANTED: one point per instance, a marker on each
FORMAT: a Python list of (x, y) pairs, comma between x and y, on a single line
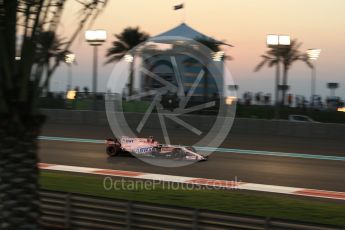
[(204, 122), (74, 211)]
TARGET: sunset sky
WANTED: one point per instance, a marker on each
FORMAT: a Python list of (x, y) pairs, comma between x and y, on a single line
[(242, 23)]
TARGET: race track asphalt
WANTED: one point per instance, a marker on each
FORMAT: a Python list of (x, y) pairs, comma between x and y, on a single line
[(284, 171)]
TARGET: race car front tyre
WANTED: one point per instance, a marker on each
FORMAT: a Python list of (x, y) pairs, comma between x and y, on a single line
[(113, 151)]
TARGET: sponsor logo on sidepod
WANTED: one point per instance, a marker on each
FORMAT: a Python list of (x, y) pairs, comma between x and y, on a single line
[(143, 150)]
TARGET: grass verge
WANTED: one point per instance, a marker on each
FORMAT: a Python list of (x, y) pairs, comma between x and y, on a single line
[(235, 201)]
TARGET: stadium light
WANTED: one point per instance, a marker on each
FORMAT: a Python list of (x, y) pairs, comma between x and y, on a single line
[(313, 55), (95, 38), (277, 41), (284, 40), (218, 56), (69, 60), (128, 58)]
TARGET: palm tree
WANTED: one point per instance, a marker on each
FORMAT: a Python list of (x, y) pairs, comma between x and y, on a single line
[(271, 59), (285, 55), (49, 48), (127, 40), (291, 54), (21, 82)]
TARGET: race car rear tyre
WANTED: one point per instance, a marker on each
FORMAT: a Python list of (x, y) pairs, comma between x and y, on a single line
[(113, 151)]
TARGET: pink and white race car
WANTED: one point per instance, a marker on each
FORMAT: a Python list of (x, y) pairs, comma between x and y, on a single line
[(149, 147)]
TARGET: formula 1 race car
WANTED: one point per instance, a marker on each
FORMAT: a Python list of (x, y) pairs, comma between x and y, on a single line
[(148, 147)]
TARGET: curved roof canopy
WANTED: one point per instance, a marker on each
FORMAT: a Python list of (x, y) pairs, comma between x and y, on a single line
[(183, 30)]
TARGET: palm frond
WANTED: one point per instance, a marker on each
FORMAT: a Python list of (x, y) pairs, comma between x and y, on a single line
[(272, 63), (260, 65), (127, 40)]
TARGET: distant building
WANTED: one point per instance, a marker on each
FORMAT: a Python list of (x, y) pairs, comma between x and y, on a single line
[(189, 68)]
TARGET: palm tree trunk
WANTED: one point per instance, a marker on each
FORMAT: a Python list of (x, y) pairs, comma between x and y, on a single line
[(131, 78), (285, 71), (277, 83), (19, 206), (276, 91)]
